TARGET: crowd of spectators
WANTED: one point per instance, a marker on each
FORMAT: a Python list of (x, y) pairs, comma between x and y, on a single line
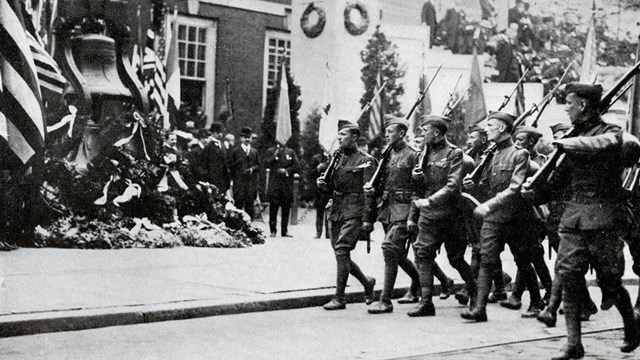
[(544, 41)]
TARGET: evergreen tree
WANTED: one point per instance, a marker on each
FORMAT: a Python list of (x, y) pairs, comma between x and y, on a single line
[(310, 147), (381, 56), (269, 125)]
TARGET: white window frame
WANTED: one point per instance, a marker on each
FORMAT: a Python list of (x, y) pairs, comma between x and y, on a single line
[(210, 60), (269, 34)]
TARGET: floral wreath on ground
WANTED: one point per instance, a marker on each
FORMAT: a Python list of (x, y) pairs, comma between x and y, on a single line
[(351, 27), (313, 31)]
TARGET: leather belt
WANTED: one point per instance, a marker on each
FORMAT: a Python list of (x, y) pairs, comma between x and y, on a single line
[(401, 196)]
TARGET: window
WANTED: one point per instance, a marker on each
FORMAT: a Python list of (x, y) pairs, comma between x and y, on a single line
[(196, 53), (277, 49)]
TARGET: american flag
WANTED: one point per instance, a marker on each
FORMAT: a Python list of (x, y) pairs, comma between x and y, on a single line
[(155, 76), (21, 117), (377, 112)]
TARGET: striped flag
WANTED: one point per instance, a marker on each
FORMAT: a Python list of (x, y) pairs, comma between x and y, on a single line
[(376, 112), (49, 73), (21, 117), (283, 111), (154, 76), (476, 107), (173, 68)]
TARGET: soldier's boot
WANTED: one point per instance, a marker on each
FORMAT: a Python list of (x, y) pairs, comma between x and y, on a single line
[(339, 301), (588, 306), (390, 274), (631, 322), (514, 301), (574, 348), (446, 284), (425, 306), (535, 304), (413, 295), (499, 291), (549, 315), (367, 282), (541, 269), (479, 313)]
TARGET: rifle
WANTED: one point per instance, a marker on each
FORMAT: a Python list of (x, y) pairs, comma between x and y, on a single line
[(508, 98), (549, 168), (446, 107), (449, 109), (555, 89), (489, 152), (374, 182)]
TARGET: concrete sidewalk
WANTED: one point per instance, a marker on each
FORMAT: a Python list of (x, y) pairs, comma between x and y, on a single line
[(47, 290)]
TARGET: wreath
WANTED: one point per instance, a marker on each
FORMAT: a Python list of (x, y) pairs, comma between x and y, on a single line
[(352, 28), (313, 31)]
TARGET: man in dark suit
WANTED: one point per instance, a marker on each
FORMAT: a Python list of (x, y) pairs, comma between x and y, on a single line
[(244, 164), (283, 164), (216, 160)]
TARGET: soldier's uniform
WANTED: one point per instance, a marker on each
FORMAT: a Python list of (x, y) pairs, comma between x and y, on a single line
[(594, 217), (537, 250), (508, 220), (393, 210), (349, 211), (439, 223), (283, 164)]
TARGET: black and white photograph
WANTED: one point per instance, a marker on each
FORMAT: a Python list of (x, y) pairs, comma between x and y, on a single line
[(319, 179)]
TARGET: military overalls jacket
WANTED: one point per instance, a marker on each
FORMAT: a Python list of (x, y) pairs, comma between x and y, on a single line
[(592, 172), (502, 181), (395, 200), (441, 182), (354, 169)]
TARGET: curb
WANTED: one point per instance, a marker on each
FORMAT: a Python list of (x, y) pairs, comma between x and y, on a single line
[(74, 320)]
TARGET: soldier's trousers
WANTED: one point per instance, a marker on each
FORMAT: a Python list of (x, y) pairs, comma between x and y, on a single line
[(431, 236), (344, 237), (394, 249), (603, 249)]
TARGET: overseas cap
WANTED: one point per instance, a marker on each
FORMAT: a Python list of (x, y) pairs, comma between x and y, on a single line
[(561, 126), (346, 124), (477, 128), (245, 131), (504, 117), (439, 122), (585, 91), (533, 132), (394, 120)]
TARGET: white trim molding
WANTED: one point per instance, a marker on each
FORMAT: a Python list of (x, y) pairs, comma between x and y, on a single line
[(264, 7)]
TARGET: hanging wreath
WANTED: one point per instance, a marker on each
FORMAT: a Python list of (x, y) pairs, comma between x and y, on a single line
[(351, 27), (314, 30)]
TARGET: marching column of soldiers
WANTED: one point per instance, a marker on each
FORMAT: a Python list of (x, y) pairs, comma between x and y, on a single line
[(500, 191)]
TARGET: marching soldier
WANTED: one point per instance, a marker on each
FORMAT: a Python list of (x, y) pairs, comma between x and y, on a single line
[(594, 214), (527, 137), (435, 210), (351, 213), (283, 164), (476, 145), (556, 207), (506, 215), (394, 210)]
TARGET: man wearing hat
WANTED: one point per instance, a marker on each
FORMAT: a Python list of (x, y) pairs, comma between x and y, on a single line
[(244, 164), (282, 163), (352, 214), (527, 137), (506, 215), (216, 159), (395, 192), (475, 147), (594, 214), (434, 212)]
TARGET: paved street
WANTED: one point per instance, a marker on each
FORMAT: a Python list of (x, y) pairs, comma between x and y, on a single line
[(314, 333)]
